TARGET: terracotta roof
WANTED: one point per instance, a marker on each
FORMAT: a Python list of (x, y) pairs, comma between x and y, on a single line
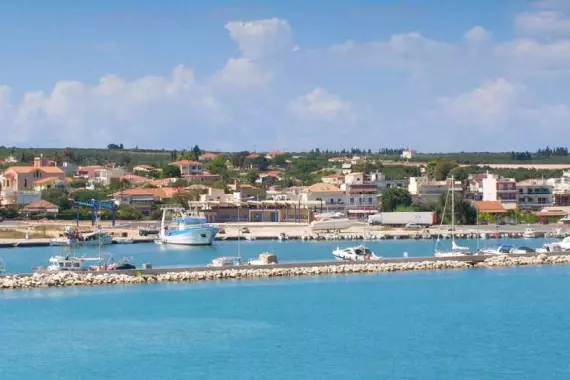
[(186, 163), (134, 178), (208, 155), (89, 167), (162, 181), (252, 156), (491, 207), (275, 153), (48, 180), (323, 187), (41, 205), (29, 169), (144, 166), (550, 213), (163, 192), (334, 176)]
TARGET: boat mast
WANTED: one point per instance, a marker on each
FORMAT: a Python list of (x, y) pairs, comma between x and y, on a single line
[(452, 211)]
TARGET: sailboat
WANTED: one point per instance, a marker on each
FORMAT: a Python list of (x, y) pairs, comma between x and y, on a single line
[(456, 250)]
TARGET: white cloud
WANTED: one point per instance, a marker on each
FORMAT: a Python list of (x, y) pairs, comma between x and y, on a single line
[(321, 106), (525, 54), (242, 72), (262, 38), (487, 106), (543, 23), (477, 35)]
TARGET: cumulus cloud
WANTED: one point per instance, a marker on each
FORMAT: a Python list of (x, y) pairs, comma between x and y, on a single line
[(477, 35), (321, 105), (543, 23), (242, 72), (262, 38)]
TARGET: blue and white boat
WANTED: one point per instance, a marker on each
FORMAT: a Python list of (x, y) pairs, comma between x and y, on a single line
[(185, 228)]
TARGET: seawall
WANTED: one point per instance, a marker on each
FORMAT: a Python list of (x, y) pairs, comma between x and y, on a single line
[(198, 274)]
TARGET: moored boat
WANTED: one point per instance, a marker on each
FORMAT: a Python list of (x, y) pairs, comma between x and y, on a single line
[(264, 258), (186, 228), (72, 237), (358, 253)]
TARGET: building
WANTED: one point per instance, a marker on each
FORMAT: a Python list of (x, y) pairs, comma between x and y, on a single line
[(534, 194), (41, 207), (272, 155), (383, 183), (104, 176), (427, 191), (145, 169), (134, 179), (333, 179), (207, 156), (52, 183), (504, 190), (493, 208), (144, 199), (561, 189), (408, 154), (18, 182), (188, 168), (204, 177), (346, 168), (86, 172), (324, 197), (248, 192)]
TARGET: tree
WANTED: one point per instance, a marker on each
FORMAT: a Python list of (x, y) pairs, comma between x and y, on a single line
[(251, 177), (57, 197), (171, 171), (115, 146), (442, 169), (394, 197), (459, 174), (117, 184), (217, 165)]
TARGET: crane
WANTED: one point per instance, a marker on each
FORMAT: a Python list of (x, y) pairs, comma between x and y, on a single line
[(96, 205)]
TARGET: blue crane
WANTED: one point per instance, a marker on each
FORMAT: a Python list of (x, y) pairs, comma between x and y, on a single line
[(96, 205)]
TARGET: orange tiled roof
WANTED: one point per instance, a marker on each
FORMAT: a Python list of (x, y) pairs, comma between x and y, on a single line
[(29, 169), (323, 187), (491, 207), (48, 180), (41, 204), (186, 163), (208, 155)]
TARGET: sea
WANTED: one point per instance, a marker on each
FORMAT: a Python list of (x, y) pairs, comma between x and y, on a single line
[(500, 323)]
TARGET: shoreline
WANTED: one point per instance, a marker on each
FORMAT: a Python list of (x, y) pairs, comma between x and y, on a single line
[(201, 274)]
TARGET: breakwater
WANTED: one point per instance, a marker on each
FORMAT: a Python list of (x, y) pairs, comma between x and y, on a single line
[(198, 274)]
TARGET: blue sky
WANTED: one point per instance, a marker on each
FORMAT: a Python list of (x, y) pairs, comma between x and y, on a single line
[(435, 75)]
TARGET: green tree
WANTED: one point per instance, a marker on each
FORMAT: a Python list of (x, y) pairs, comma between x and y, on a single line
[(57, 197), (251, 177), (117, 184), (171, 171), (442, 169), (459, 174), (394, 197), (85, 195)]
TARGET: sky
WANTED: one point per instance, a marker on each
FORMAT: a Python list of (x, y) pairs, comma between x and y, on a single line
[(431, 75)]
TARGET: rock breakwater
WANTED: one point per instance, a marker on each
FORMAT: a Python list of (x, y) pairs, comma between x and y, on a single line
[(66, 279)]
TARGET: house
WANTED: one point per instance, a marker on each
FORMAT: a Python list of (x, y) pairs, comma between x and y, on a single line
[(42, 207), (272, 155), (52, 183), (493, 208), (144, 199), (408, 154), (104, 176), (334, 179), (188, 168), (17, 182), (163, 182), (248, 192), (362, 199), (383, 183), (268, 179), (86, 172), (145, 168), (504, 190), (134, 179), (425, 190), (10, 160), (324, 196), (207, 156), (204, 177), (534, 194), (346, 168)]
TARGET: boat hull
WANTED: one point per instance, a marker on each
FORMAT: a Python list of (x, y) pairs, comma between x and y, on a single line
[(195, 236)]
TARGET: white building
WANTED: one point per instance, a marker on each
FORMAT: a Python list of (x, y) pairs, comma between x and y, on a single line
[(535, 194), (499, 189), (425, 190), (408, 154), (324, 197), (103, 176)]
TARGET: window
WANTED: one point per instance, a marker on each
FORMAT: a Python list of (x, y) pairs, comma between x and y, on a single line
[(352, 200), (369, 200)]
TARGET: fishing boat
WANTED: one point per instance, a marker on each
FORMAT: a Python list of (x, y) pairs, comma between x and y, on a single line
[(72, 237), (358, 253), (186, 228), (456, 250), (529, 233)]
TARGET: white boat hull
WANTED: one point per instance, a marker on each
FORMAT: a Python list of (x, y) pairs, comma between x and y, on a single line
[(195, 236), (63, 242), (331, 224)]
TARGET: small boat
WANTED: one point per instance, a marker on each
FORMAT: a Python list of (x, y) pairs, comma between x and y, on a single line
[(2, 266), (124, 241), (185, 229), (226, 261), (283, 236), (559, 246), (72, 237), (331, 223), (501, 249), (358, 253), (523, 250), (69, 262), (529, 233), (264, 258)]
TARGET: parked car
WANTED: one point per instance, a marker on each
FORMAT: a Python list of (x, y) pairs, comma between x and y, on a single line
[(512, 222), (484, 222), (414, 226)]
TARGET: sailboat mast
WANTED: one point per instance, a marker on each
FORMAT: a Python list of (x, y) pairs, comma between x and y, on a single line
[(452, 209)]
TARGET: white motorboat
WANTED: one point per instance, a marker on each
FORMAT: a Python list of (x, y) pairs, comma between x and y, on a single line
[(456, 250), (186, 228), (72, 237), (264, 258), (331, 223), (559, 246), (358, 253), (529, 233), (501, 249), (225, 261)]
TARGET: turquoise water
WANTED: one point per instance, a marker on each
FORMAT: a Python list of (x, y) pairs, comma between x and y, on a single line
[(477, 324), (21, 260)]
